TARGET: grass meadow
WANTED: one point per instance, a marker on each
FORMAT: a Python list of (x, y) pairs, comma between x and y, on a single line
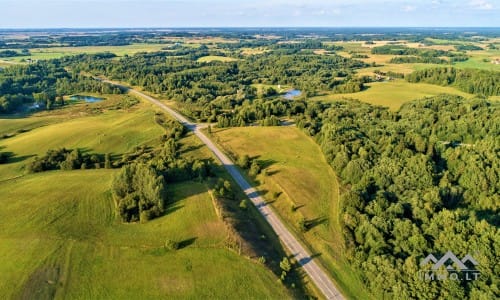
[(60, 239), (57, 52), (298, 174), (394, 93), (114, 132), (211, 58)]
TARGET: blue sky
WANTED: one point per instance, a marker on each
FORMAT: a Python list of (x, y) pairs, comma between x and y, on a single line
[(259, 13)]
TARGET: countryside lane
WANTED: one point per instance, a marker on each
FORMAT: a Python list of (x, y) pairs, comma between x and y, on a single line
[(315, 273)]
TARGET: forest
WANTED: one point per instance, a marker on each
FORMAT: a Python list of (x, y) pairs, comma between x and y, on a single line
[(421, 180)]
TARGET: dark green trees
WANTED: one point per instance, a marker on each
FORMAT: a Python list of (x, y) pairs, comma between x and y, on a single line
[(422, 180), (139, 193), (480, 82)]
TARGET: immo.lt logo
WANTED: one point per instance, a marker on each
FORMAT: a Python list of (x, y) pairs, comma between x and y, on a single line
[(449, 267)]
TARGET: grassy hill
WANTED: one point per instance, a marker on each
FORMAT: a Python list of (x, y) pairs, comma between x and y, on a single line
[(59, 236), (112, 132), (299, 176)]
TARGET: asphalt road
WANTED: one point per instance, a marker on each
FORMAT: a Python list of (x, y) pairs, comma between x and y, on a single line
[(315, 273)]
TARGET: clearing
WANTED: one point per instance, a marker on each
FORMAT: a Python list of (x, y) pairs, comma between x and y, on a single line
[(393, 93)]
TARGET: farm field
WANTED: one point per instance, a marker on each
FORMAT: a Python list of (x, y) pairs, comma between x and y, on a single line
[(393, 94), (299, 176), (62, 240)]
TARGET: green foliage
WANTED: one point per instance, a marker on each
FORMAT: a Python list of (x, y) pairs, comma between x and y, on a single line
[(303, 225), (206, 90), (254, 168), (223, 189), (468, 48), (39, 83), (171, 245), (480, 82), (65, 159), (243, 204), (139, 192), (422, 180), (351, 86), (404, 50), (12, 53), (285, 264), (244, 161)]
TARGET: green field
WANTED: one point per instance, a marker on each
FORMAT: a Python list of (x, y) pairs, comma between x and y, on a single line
[(57, 52), (481, 60), (59, 237), (112, 132), (394, 93), (296, 169)]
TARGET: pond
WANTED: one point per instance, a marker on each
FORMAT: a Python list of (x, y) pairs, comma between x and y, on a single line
[(292, 94), (88, 99)]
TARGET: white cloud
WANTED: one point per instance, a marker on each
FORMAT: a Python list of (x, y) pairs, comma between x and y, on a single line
[(408, 8), (481, 4)]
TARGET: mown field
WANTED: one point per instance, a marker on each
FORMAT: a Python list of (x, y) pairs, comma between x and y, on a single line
[(60, 238), (394, 93), (299, 176)]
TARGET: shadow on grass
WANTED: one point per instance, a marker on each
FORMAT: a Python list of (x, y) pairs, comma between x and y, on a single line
[(16, 159), (187, 242), (310, 224), (191, 148), (10, 157)]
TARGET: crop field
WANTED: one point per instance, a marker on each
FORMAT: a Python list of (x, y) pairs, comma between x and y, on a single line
[(298, 177), (394, 93)]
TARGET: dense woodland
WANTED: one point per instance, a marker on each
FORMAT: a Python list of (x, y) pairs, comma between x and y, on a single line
[(422, 180), (480, 82)]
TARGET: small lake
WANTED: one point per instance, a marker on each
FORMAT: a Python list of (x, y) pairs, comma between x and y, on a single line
[(88, 99), (292, 94)]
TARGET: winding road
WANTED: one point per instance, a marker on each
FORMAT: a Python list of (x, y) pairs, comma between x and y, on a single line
[(315, 273)]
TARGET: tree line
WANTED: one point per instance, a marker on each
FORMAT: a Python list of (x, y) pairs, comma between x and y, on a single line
[(479, 82)]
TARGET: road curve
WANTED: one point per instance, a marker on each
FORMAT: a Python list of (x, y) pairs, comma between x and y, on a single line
[(315, 273)]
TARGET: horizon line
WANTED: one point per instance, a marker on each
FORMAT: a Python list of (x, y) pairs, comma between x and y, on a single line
[(495, 28)]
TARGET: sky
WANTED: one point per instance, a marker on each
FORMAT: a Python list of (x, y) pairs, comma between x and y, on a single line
[(253, 13)]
